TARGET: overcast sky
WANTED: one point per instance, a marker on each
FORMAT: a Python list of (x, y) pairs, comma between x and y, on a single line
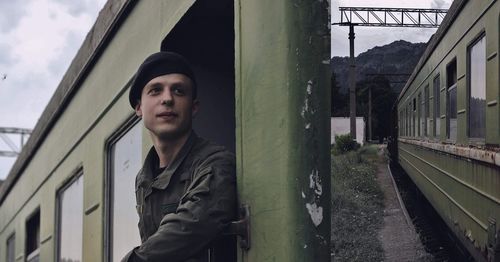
[(41, 37), (39, 40), (368, 37)]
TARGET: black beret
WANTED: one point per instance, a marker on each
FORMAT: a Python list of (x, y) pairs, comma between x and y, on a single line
[(155, 65)]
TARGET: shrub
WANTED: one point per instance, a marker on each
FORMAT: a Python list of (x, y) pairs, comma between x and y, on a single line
[(345, 143)]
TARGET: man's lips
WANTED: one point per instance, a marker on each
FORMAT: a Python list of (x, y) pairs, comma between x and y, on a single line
[(166, 114)]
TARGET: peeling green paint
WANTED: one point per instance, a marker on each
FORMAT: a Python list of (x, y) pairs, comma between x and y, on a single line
[(282, 110)]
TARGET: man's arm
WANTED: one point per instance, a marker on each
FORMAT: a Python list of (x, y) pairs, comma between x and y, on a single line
[(204, 211)]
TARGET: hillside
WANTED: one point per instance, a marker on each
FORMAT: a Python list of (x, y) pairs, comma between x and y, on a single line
[(399, 57)]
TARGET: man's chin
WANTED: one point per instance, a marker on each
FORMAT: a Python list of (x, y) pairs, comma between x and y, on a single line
[(169, 135)]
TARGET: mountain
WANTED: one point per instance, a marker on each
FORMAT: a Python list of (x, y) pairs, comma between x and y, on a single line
[(399, 57)]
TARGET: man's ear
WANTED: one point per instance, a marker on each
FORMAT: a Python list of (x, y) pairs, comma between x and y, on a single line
[(138, 110), (195, 107)]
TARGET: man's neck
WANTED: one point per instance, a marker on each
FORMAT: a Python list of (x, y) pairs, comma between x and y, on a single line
[(167, 150)]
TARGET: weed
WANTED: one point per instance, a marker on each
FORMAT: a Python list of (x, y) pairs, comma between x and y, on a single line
[(357, 207)]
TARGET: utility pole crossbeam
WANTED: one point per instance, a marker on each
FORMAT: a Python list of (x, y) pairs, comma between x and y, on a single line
[(391, 17), (14, 149)]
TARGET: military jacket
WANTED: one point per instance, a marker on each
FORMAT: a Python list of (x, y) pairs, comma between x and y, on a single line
[(183, 210)]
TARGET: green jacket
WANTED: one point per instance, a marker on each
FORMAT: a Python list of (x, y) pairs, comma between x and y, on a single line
[(183, 211)]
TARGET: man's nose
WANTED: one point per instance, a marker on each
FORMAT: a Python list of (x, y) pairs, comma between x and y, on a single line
[(167, 98)]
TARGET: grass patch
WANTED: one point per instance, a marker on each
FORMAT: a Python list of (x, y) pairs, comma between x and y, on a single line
[(357, 207)]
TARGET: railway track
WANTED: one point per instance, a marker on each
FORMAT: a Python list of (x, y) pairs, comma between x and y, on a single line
[(437, 239)]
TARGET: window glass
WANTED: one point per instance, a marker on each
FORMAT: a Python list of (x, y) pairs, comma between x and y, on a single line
[(401, 117), (452, 114), (33, 238), (126, 161), (71, 221), (408, 118), (451, 100), (427, 120), (421, 119), (11, 248), (415, 123), (437, 109), (477, 89)]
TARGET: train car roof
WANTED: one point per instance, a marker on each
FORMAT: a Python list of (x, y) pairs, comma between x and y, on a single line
[(454, 10), (108, 21)]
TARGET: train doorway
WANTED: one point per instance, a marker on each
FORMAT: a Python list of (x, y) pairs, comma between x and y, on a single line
[(205, 36)]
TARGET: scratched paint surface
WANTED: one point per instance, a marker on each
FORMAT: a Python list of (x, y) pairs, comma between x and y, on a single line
[(282, 106)]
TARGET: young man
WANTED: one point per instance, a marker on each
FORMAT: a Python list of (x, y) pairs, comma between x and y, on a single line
[(186, 190)]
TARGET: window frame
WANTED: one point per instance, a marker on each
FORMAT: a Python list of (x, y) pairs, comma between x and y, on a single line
[(75, 175), (415, 119), (477, 38), (448, 89), (436, 109), (121, 131), (426, 109), (12, 237), (419, 114), (35, 252)]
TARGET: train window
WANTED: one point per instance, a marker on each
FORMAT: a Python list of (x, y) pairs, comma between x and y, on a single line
[(451, 100), (437, 105), (10, 254), (124, 161), (401, 121), (407, 122), (476, 89), (33, 238), (70, 220), (421, 116), (427, 121), (414, 122)]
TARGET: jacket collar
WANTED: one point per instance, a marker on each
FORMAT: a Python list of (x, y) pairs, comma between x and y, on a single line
[(151, 163)]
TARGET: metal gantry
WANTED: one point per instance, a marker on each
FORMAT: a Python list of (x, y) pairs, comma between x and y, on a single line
[(383, 17), (14, 149), (392, 17)]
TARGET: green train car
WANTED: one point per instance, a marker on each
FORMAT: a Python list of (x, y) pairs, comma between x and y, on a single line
[(262, 69), (448, 125)]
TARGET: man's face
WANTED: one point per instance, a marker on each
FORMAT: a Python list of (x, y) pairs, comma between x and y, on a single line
[(167, 106)]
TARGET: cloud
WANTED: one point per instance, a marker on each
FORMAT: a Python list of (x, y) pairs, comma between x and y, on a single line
[(77, 8), (60, 62), (368, 37), (5, 57), (11, 13), (39, 40), (439, 4), (5, 165)]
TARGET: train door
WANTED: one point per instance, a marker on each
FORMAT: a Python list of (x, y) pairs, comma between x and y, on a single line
[(205, 36)]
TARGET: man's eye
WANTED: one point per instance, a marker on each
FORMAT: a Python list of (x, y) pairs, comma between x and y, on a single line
[(179, 91), (154, 91)]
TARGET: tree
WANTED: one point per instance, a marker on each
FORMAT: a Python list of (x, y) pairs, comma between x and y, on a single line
[(382, 101), (340, 103)]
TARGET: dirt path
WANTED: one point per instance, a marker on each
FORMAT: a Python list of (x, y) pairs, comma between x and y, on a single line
[(398, 236)]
